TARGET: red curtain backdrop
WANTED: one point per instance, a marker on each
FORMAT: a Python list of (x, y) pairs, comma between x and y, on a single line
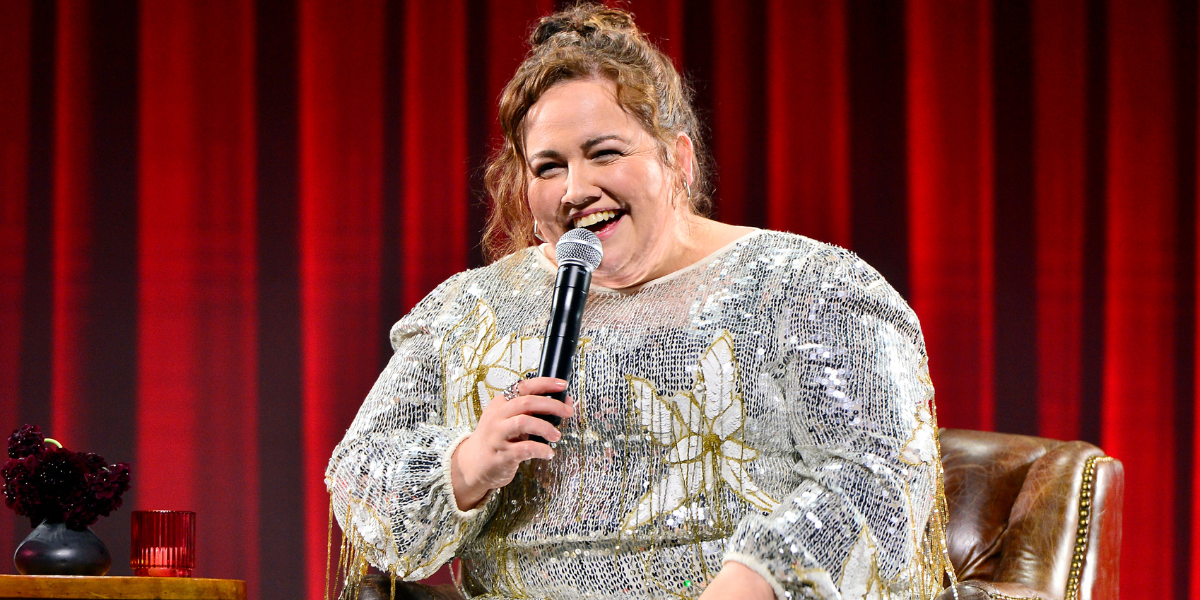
[(196, 278), (211, 214)]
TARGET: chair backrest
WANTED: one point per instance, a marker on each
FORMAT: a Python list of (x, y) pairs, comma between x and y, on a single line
[(1037, 513)]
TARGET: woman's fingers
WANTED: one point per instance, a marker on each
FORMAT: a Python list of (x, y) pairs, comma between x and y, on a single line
[(528, 425), (490, 457), (539, 405), (540, 386), (526, 450)]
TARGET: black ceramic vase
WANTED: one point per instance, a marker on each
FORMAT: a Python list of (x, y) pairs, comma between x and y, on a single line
[(55, 549)]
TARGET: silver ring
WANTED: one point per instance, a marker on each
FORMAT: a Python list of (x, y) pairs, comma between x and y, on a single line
[(511, 392)]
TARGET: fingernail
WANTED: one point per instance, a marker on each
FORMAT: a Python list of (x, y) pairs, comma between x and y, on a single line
[(560, 384)]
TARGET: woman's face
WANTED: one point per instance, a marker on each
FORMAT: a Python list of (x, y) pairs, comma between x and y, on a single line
[(593, 165)]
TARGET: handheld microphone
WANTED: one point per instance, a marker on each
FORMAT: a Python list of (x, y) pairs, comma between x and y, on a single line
[(578, 253)]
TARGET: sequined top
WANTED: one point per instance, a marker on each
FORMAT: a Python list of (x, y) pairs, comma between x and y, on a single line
[(769, 405)]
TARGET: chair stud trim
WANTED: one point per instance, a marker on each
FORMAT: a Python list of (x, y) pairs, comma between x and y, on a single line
[(1085, 524)]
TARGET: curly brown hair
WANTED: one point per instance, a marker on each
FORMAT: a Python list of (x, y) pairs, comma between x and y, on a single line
[(585, 42)]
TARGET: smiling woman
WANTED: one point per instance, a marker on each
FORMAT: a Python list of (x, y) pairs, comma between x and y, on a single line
[(604, 45), (750, 414), (593, 165)]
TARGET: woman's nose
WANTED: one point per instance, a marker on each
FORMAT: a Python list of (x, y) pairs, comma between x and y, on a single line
[(580, 188)]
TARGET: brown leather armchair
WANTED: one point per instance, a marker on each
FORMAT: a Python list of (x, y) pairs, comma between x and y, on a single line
[(1031, 517)]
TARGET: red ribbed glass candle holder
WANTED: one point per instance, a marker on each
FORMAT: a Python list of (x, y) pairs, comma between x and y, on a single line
[(163, 543)]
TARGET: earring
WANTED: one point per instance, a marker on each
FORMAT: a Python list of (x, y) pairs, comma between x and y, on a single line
[(536, 233), (687, 188)]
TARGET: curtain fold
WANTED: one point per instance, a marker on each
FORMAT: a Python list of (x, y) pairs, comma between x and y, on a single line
[(1059, 122), (15, 34), (737, 102), (808, 140), (950, 239), (93, 235), (1139, 362), (197, 291), (212, 213), (341, 83)]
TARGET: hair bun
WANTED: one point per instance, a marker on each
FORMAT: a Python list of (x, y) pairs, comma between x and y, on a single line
[(584, 20)]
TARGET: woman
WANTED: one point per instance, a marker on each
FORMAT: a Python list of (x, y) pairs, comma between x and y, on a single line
[(752, 413)]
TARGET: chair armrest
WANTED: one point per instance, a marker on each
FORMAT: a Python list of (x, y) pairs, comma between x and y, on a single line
[(1099, 579), (1064, 531)]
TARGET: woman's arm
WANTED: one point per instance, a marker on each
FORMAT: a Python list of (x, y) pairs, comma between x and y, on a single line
[(857, 399), (390, 478)]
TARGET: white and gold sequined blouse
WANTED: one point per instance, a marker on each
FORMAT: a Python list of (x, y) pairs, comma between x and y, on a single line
[(768, 405)]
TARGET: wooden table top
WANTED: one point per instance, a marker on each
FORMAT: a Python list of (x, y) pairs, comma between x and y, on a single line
[(60, 587)]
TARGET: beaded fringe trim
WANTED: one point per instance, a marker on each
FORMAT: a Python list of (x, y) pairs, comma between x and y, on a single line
[(934, 554), (344, 583)]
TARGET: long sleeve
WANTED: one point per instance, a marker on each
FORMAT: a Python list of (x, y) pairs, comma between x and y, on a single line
[(389, 478), (858, 400)]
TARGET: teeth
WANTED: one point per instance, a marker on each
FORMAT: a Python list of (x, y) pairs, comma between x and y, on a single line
[(594, 218)]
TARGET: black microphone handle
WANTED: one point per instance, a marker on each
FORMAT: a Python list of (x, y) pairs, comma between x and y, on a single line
[(562, 332)]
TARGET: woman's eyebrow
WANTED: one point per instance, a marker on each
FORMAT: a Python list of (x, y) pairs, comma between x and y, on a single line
[(549, 153), (596, 140)]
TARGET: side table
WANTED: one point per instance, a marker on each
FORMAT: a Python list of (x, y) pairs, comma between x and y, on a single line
[(55, 587)]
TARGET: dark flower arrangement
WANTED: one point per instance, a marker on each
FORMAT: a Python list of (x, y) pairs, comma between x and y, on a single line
[(46, 482)]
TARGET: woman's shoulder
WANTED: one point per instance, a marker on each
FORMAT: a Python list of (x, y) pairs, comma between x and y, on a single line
[(788, 243), (826, 283), (502, 273), (807, 271), (813, 260), (458, 294)]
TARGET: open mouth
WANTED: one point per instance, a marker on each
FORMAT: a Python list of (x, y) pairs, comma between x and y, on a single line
[(599, 220)]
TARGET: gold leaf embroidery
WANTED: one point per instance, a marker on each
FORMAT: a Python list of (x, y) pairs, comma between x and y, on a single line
[(701, 430)]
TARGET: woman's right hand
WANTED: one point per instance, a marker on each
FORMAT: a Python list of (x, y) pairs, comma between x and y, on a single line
[(488, 458)]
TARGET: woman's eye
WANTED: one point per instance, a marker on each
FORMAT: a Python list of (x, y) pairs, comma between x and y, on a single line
[(545, 169), (607, 154)]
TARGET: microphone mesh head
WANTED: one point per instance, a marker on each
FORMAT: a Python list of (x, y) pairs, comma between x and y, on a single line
[(581, 247)]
